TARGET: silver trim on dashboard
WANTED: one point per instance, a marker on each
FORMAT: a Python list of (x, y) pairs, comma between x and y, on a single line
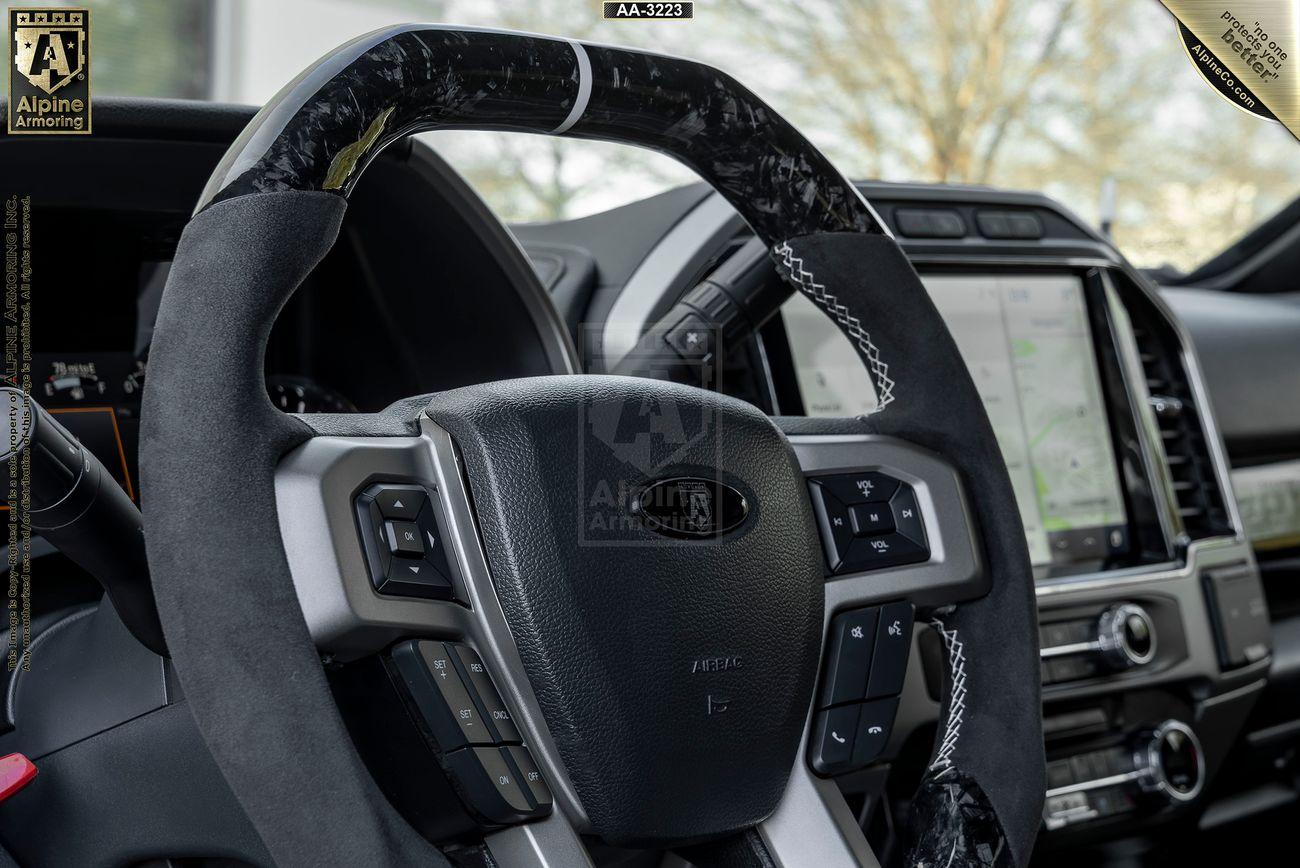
[(645, 290)]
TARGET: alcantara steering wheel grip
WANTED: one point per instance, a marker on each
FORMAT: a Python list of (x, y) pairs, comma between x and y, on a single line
[(269, 214)]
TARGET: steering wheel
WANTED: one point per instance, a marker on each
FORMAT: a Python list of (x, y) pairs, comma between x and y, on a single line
[(607, 640)]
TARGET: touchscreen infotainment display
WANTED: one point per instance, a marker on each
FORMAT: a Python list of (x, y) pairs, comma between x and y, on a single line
[(1027, 342)]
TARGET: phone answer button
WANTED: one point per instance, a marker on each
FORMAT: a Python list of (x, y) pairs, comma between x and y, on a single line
[(832, 744)]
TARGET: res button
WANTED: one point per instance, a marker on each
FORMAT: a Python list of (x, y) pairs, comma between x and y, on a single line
[(497, 713)]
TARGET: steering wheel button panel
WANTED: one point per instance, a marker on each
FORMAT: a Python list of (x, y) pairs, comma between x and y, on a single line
[(435, 685), (833, 739), (889, 658), (494, 709), (868, 521), (402, 541), (848, 662), (490, 785)]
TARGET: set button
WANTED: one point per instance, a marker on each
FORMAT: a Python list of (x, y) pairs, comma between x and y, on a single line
[(868, 520)]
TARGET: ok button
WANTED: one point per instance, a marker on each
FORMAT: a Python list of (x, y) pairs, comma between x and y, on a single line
[(404, 538)]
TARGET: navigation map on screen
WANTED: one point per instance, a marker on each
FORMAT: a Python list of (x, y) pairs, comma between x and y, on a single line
[(1027, 342)]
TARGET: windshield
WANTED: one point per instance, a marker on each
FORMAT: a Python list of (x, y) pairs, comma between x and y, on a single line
[(1032, 94)]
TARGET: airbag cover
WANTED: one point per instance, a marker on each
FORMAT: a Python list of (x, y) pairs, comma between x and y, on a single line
[(674, 674)]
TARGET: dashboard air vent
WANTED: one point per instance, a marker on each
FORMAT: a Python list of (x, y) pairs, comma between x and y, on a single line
[(1196, 486)]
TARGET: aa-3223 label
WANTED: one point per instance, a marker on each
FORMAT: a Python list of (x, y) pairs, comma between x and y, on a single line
[(649, 10)]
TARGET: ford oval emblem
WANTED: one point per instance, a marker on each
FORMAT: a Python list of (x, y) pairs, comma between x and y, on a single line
[(689, 507)]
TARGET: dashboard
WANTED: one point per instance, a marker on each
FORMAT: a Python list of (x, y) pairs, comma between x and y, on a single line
[(383, 318), (1151, 603)]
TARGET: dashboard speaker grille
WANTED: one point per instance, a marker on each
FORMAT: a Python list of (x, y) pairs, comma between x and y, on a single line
[(1195, 483)]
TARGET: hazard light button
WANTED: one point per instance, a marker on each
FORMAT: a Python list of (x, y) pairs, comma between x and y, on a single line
[(403, 541)]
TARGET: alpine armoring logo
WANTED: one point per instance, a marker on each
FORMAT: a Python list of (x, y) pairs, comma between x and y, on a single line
[(49, 79)]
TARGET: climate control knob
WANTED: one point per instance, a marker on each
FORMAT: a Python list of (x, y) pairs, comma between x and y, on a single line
[(1126, 636), (1169, 761)]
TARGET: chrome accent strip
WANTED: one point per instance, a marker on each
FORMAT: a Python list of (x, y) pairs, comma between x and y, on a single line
[(1142, 574), (1097, 784), (488, 623), (645, 290), (768, 379), (1066, 650), (1159, 476), (584, 90), (813, 827), (548, 843)]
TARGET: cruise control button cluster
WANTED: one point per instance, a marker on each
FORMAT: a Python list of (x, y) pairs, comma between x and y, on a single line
[(868, 520), (479, 741), (866, 660), (403, 545)]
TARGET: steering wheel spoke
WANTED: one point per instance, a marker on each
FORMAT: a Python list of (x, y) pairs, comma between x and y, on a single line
[(317, 488)]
